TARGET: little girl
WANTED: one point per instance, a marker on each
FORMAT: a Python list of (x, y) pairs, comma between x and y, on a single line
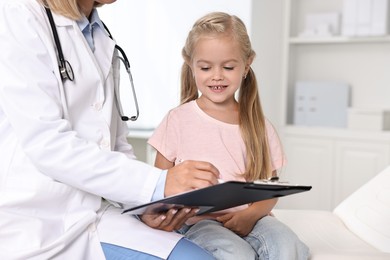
[(212, 125)]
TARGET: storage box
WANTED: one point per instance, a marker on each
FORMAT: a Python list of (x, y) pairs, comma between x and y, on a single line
[(365, 17), (322, 24), (321, 103), (369, 119)]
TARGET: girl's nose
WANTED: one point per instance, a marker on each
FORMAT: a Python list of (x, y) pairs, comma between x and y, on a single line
[(217, 75)]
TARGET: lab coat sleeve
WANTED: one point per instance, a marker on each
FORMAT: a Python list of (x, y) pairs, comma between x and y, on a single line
[(31, 102), (121, 144)]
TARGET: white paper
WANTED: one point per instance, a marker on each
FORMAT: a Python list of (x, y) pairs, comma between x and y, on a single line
[(127, 231)]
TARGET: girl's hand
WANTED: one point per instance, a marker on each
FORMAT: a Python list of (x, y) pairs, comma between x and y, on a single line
[(239, 222), (242, 222), (172, 220)]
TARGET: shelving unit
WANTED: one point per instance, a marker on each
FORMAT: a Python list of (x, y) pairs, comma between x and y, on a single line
[(336, 161), (362, 62)]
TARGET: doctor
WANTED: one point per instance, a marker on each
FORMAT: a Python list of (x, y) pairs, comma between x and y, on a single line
[(63, 146)]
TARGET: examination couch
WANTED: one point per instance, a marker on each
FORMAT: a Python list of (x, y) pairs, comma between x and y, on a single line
[(358, 228)]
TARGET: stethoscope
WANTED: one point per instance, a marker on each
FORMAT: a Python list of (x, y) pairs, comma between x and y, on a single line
[(66, 70)]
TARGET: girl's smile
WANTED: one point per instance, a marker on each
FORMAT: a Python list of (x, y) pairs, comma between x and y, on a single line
[(218, 88)]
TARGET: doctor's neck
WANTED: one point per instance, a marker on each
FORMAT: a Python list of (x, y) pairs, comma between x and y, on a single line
[(86, 7)]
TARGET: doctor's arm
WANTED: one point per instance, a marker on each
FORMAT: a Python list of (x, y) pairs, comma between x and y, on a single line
[(121, 143), (189, 174)]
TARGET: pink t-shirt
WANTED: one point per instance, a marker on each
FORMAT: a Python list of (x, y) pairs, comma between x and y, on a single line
[(188, 133)]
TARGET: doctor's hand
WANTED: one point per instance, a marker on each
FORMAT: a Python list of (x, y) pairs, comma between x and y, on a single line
[(190, 175), (172, 220)]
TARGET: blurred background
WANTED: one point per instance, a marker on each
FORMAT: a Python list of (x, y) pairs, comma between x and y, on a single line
[(323, 72)]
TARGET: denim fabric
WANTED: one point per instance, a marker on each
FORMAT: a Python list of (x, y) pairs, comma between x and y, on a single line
[(184, 249), (187, 250), (114, 252), (270, 239)]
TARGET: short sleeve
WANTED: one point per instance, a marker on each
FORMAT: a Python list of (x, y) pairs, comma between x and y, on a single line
[(165, 138)]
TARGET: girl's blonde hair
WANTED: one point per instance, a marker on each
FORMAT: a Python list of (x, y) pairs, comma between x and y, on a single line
[(67, 8), (252, 121)]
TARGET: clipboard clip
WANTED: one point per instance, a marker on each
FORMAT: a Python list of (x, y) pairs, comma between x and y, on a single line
[(274, 180)]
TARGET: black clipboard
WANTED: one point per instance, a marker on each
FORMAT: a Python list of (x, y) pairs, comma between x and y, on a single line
[(220, 196)]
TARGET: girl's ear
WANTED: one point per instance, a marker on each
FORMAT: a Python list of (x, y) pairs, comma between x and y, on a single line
[(248, 64), (250, 60)]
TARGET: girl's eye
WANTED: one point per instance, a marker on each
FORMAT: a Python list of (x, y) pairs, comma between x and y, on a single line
[(228, 68), (205, 68)]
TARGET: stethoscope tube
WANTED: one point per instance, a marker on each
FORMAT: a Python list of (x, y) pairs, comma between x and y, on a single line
[(126, 62), (66, 70)]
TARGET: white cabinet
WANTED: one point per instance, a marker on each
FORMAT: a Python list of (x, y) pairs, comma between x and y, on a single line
[(335, 161), (356, 161), (309, 162)]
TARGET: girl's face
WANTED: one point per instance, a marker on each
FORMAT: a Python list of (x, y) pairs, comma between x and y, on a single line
[(218, 68)]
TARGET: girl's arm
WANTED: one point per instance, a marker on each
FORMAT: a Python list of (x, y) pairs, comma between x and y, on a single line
[(261, 209), (162, 162)]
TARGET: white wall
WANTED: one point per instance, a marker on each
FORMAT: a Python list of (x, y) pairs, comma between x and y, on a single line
[(267, 41), (152, 33)]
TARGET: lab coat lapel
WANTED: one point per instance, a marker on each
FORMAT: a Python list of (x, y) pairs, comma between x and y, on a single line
[(83, 60), (61, 20), (104, 50), (104, 46)]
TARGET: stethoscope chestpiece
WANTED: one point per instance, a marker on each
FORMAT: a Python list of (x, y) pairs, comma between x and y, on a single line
[(66, 71)]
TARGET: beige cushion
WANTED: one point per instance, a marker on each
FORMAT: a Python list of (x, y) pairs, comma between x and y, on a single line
[(366, 212)]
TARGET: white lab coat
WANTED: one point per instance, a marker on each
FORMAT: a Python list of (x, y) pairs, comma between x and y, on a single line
[(56, 146)]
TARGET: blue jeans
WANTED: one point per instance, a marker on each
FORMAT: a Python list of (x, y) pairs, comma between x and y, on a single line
[(270, 239), (184, 249)]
